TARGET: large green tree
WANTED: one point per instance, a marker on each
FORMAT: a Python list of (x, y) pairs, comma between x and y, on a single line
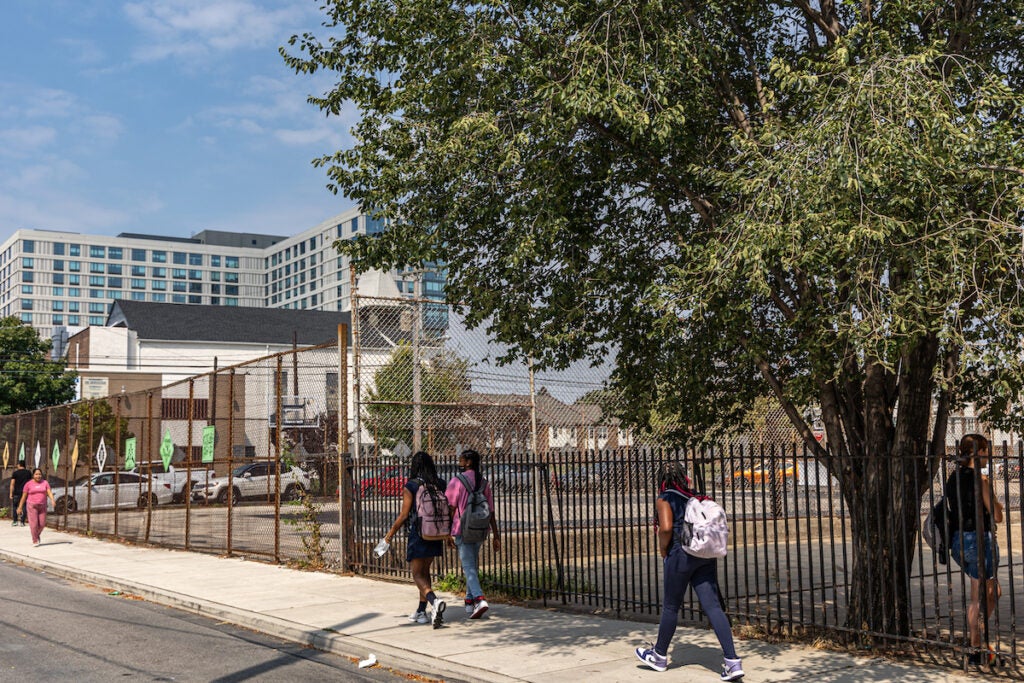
[(28, 378), (816, 201), (388, 405)]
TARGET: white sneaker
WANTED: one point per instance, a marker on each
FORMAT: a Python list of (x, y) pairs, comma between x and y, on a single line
[(469, 608), (480, 609), (732, 669), (418, 617), (437, 612), (651, 658)]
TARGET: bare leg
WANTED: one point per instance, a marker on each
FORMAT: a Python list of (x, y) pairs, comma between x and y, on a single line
[(421, 575)]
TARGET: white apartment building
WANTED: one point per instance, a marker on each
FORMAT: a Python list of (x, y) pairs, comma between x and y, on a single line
[(61, 282)]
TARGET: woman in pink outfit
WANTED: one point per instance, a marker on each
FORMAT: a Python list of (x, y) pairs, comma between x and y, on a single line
[(33, 499)]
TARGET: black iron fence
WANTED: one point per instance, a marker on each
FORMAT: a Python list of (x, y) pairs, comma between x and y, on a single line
[(577, 529)]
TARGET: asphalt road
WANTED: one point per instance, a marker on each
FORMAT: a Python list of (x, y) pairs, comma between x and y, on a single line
[(55, 630)]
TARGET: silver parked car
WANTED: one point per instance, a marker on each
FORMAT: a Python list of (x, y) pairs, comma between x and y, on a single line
[(99, 491)]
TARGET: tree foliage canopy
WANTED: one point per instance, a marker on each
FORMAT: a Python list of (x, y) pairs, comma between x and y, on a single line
[(28, 378), (819, 201)]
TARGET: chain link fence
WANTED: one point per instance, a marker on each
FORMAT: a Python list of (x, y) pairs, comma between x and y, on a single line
[(245, 461)]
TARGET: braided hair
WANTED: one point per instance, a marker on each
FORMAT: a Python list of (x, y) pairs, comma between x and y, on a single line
[(673, 475)]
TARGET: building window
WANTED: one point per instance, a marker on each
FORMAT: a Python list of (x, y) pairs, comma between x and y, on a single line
[(177, 286), (159, 298), (194, 299), (159, 285), (195, 259), (58, 278), (178, 273), (215, 275), (96, 320), (58, 265), (73, 306), (58, 291), (195, 275), (139, 255), (58, 248), (74, 250), (138, 284), (74, 279), (231, 277), (26, 317), (26, 304), (214, 289), (159, 257), (114, 282), (195, 287), (231, 290), (97, 281), (179, 258), (230, 302), (27, 276), (58, 305), (114, 269), (75, 266), (58, 320), (96, 268), (97, 294), (159, 272), (28, 263), (215, 261), (214, 300), (114, 253), (138, 271), (177, 408), (138, 296), (97, 308), (230, 261), (28, 246), (73, 320), (26, 289), (178, 298), (97, 252)]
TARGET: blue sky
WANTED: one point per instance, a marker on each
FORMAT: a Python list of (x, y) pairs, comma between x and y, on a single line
[(162, 117)]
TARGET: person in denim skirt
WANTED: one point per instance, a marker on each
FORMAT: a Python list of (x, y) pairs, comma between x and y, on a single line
[(420, 553), (469, 553), (972, 501)]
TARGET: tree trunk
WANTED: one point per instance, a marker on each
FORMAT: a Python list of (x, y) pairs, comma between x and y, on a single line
[(884, 519)]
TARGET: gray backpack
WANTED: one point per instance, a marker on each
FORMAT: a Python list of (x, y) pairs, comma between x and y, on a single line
[(475, 523)]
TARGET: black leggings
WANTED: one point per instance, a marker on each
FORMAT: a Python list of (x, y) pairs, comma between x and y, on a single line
[(682, 570)]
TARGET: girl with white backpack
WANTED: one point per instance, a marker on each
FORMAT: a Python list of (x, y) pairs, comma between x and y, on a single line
[(681, 570)]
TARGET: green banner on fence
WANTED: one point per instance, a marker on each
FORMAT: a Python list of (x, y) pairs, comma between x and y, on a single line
[(209, 438), (129, 454)]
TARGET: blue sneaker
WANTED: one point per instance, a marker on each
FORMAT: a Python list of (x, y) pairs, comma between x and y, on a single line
[(732, 669), (648, 656)]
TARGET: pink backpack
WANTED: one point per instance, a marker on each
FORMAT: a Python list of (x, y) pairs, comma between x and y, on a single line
[(433, 515)]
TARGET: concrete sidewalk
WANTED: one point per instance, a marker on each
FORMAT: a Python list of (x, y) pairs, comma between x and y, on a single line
[(354, 617)]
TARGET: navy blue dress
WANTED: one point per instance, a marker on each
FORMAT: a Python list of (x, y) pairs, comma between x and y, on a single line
[(417, 547)]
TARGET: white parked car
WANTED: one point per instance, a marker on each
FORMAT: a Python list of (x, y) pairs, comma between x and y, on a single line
[(98, 492), (254, 480)]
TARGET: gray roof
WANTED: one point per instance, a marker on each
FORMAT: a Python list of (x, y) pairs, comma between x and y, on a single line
[(191, 322)]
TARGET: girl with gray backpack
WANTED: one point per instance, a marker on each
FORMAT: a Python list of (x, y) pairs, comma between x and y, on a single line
[(472, 502)]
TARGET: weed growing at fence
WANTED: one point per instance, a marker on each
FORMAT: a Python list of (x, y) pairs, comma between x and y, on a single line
[(5, 513), (314, 546), (510, 584)]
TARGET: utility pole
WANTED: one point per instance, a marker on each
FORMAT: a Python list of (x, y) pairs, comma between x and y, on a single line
[(417, 410)]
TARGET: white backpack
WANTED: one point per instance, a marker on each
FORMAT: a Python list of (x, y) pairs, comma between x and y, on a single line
[(705, 529)]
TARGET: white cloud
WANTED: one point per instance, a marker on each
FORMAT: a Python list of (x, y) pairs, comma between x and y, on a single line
[(26, 140), (193, 28)]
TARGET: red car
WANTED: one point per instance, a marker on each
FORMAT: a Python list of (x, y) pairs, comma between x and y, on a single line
[(387, 481)]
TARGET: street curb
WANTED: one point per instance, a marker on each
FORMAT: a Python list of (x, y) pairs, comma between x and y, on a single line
[(353, 647)]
